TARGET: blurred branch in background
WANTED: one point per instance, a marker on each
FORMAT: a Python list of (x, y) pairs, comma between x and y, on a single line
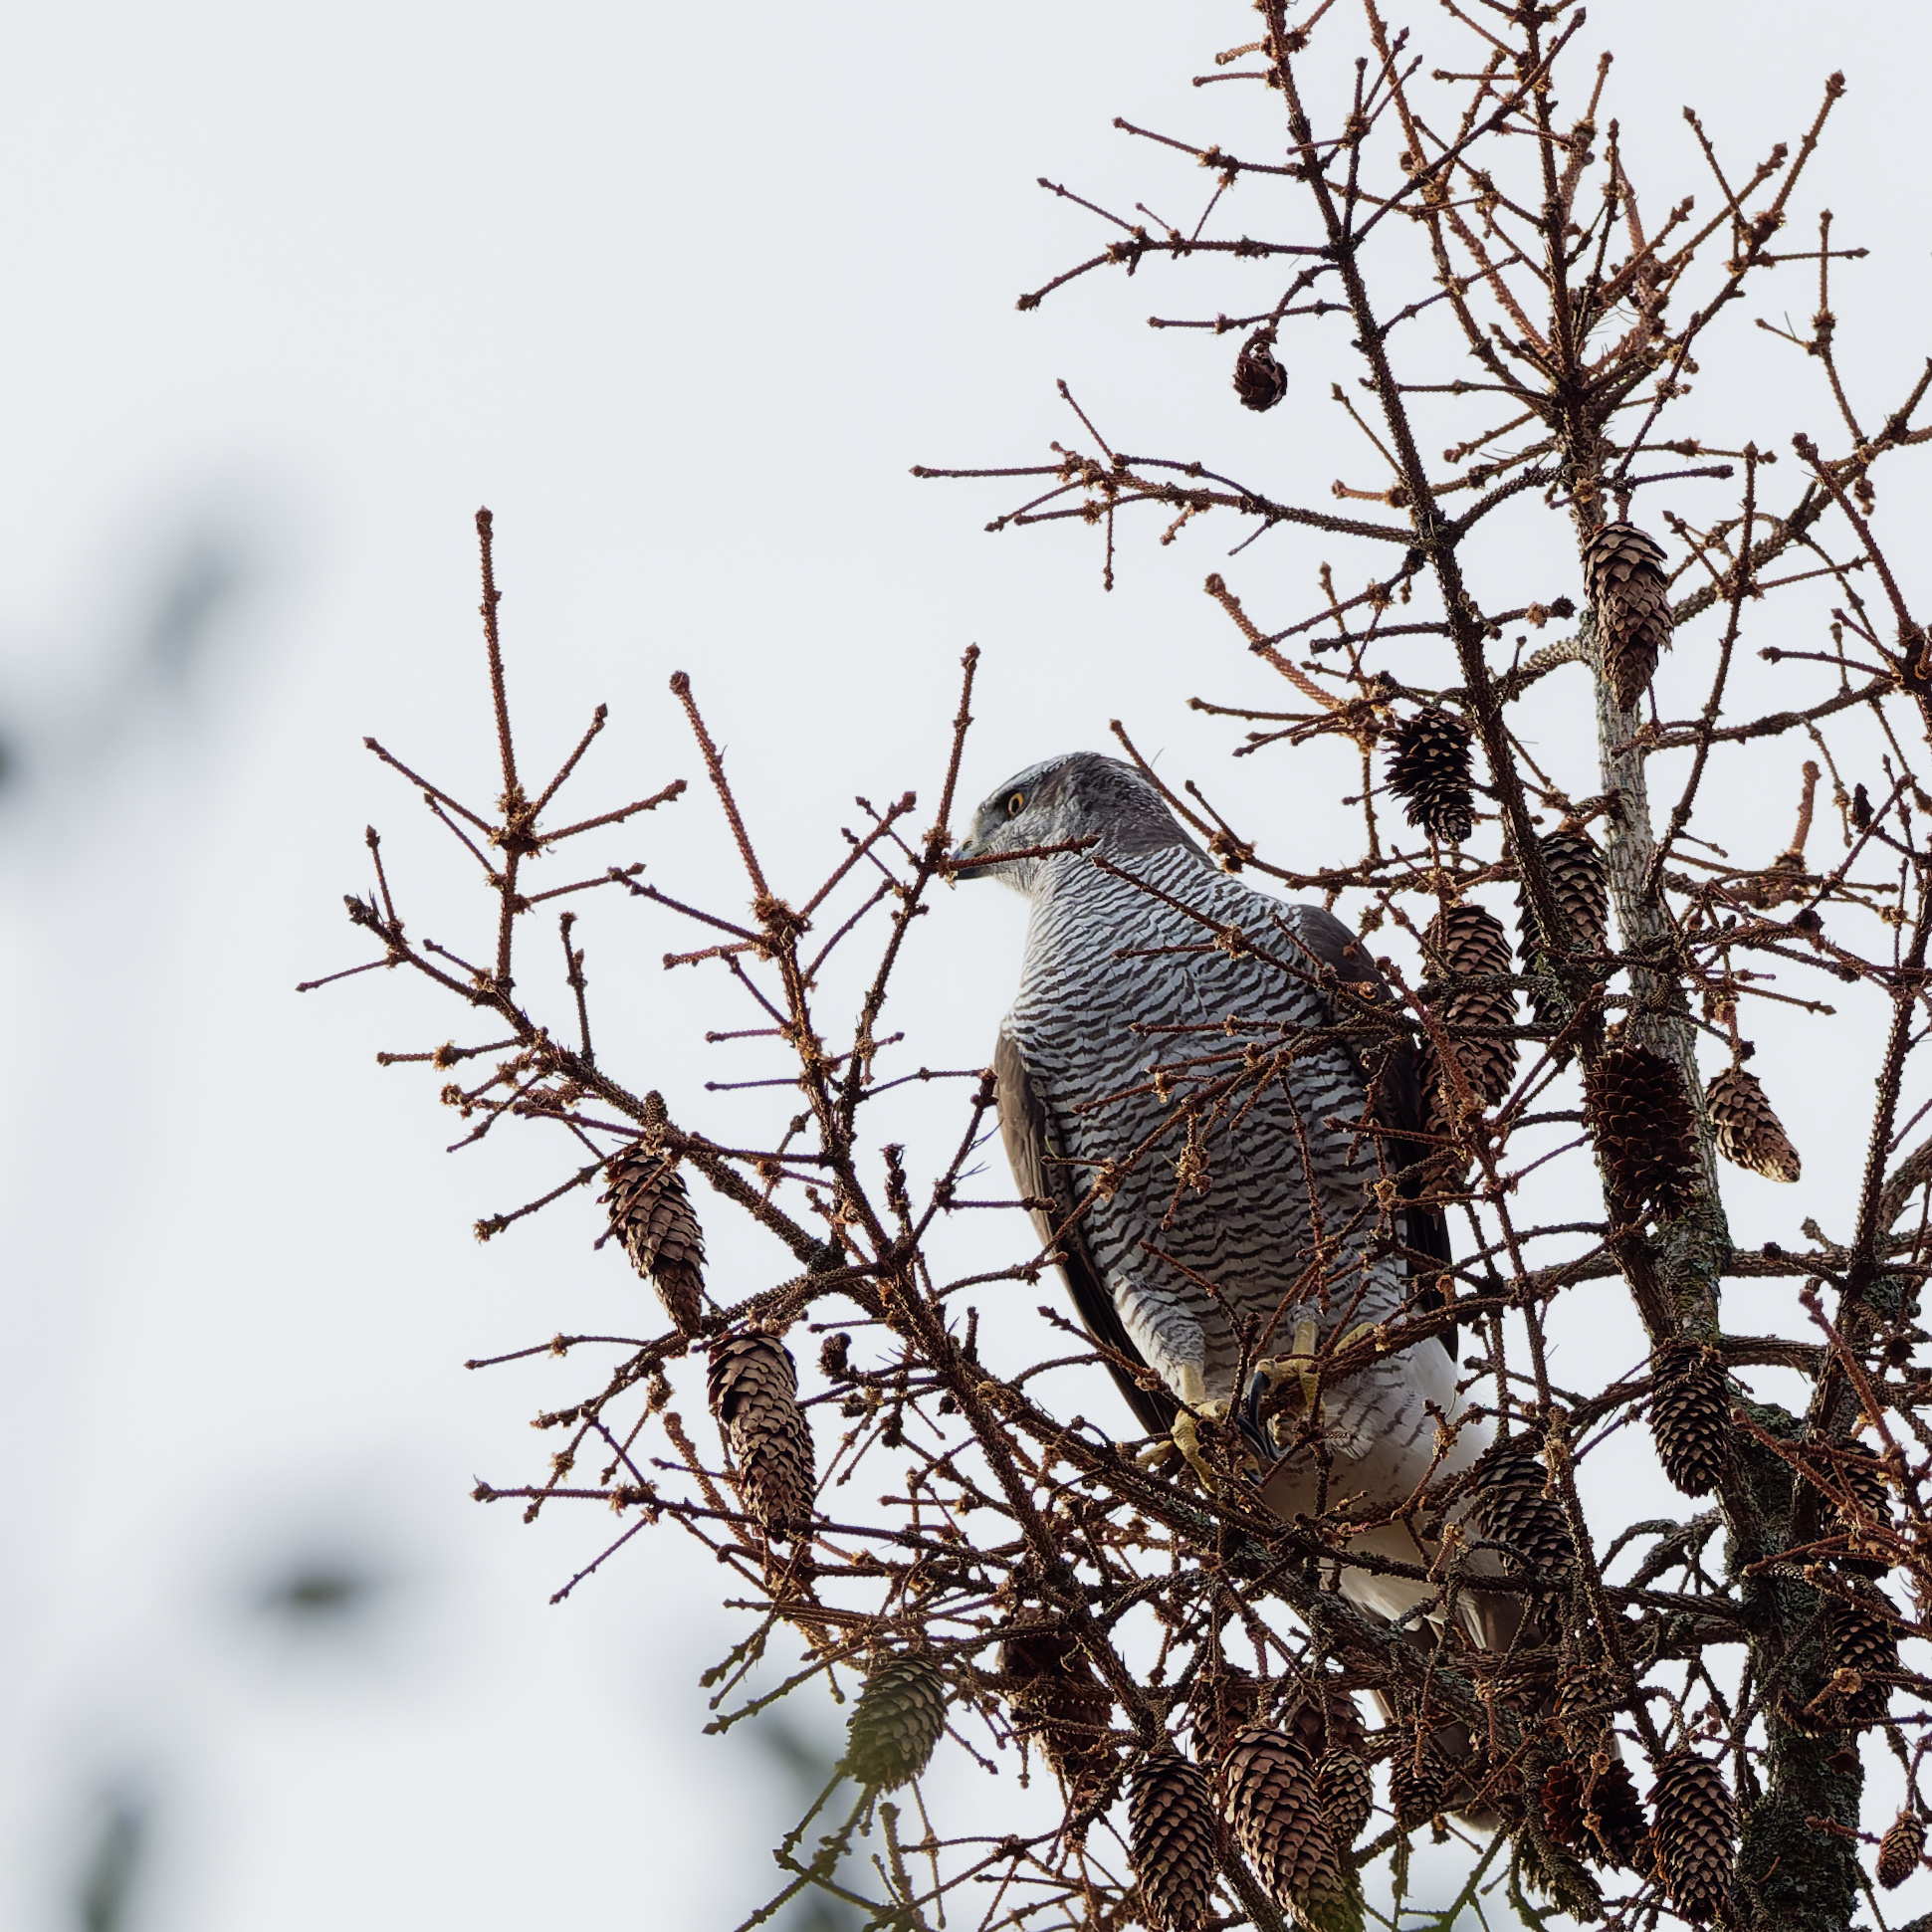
[(808, 1763), (329, 1595), (148, 673), (112, 1864)]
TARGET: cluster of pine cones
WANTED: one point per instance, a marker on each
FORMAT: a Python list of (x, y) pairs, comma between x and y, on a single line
[(754, 1381), (1645, 1128), (1630, 598), (1292, 1798), (1646, 1131)]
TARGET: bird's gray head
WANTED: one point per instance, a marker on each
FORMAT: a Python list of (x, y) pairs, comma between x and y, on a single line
[(1078, 795)]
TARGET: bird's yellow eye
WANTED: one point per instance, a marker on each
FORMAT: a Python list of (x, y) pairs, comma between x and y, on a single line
[(1015, 804)]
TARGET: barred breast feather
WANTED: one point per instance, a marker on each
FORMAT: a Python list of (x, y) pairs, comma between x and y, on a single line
[(1130, 1017)]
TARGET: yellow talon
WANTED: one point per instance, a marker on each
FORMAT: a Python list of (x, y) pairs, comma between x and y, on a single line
[(1300, 1363), (1185, 1436)]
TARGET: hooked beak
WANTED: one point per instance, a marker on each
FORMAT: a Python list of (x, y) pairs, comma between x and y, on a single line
[(966, 849)]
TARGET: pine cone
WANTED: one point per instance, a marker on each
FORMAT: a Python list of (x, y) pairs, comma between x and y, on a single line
[(1319, 1714), (1866, 1478), (650, 1214), (1748, 1134), (1900, 1850), (1172, 1842), (1222, 1705), (1508, 1506), (1470, 944), (1524, 1675), (753, 1388), (1691, 1416), (900, 1715), (1319, 1718), (1614, 1814), (1278, 1823), (1585, 1690), (1695, 1833), (1581, 888), (1430, 772), (1345, 1788), (1259, 380), (1563, 1805), (1057, 1701), (1416, 1788), (1862, 1637), (1645, 1137), (1551, 1871), (1623, 580)]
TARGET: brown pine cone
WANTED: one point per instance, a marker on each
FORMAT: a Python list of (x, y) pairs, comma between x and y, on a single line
[(1057, 1701), (1748, 1134), (1695, 1833), (1277, 1822), (1574, 868), (1416, 1784), (1900, 1850), (1319, 1713), (901, 1713), (1866, 1478), (1614, 1815), (1469, 943), (754, 1387), (1646, 1140), (1625, 583), (1319, 1718), (1563, 1805), (1508, 1506), (1585, 1690), (1862, 1637), (1222, 1705), (1551, 1871), (1173, 1843), (1524, 1675), (650, 1214), (1259, 380), (1690, 1415), (1345, 1788), (1430, 773)]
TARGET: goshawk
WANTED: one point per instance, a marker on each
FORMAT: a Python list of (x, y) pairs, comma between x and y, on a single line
[(1174, 1080)]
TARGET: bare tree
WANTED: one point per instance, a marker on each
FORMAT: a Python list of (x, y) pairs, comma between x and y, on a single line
[(1182, 1659)]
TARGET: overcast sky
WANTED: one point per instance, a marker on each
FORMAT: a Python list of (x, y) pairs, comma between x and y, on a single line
[(682, 297)]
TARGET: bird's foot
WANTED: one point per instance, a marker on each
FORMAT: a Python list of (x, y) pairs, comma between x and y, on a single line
[(1186, 1436), (1298, 1366)]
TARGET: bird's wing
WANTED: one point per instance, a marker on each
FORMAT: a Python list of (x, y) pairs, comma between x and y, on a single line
[(1392, 1077), (1032, 1145)]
